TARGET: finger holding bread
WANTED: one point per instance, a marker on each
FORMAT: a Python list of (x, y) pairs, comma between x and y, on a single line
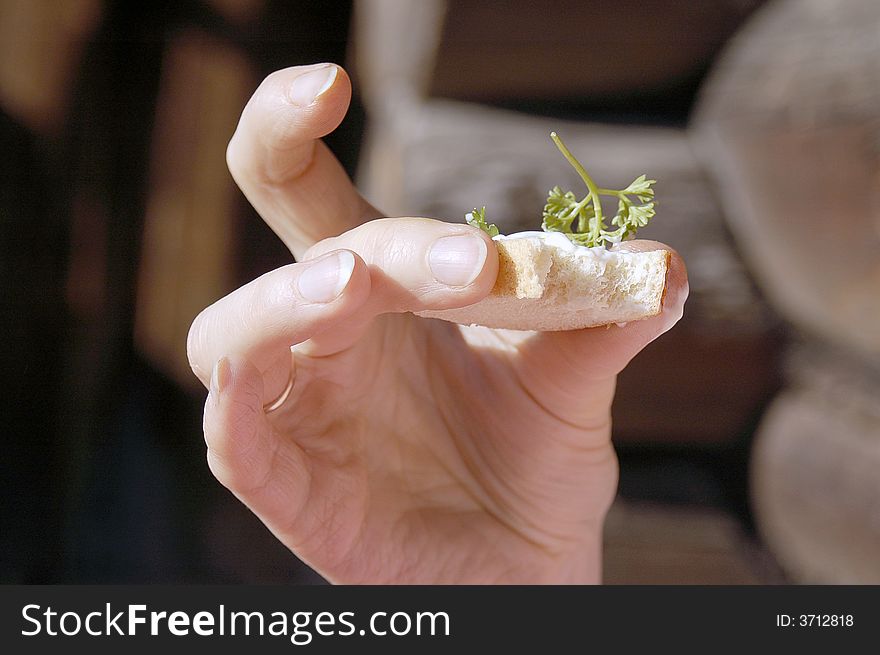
[(415, 264), (419, 263), (562, 368)]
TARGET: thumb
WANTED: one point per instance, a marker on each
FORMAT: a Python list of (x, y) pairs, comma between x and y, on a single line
[(563, 368)]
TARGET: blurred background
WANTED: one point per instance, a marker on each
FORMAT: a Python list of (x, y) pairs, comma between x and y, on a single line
[(749, 436)]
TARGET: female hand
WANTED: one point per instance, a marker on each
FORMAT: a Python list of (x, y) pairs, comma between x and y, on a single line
[(406, 449)]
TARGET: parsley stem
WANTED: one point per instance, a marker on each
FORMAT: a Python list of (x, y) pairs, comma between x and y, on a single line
[(591, 186)]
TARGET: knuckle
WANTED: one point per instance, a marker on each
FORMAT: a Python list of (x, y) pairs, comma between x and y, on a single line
[(374, 241), (287, 157), (275, 153)]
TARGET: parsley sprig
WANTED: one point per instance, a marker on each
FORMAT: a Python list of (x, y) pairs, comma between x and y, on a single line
[(582, 220)]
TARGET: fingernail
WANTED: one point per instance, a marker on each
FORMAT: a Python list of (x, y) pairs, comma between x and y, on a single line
[(308, 87), (219, 379), (325, 278), (456, 261)]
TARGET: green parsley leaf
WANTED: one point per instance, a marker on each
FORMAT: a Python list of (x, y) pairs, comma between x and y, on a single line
[(477, 218)]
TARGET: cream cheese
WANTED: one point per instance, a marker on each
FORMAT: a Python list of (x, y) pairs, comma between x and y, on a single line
[(559, 240)]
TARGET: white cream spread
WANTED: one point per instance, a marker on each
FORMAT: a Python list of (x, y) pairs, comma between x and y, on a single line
[(558, 240)]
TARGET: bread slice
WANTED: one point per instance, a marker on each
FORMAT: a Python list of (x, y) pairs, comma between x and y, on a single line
[(547, 283)]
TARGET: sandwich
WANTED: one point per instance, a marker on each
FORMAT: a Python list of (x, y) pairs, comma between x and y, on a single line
[(571, 274)]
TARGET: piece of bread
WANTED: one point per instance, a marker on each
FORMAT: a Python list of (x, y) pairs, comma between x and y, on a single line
[(547, 283)]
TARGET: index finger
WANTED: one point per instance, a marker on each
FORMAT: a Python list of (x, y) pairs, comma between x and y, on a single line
[(276, 158)]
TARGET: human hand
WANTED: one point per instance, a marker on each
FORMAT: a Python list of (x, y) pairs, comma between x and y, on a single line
[(407, 450)]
